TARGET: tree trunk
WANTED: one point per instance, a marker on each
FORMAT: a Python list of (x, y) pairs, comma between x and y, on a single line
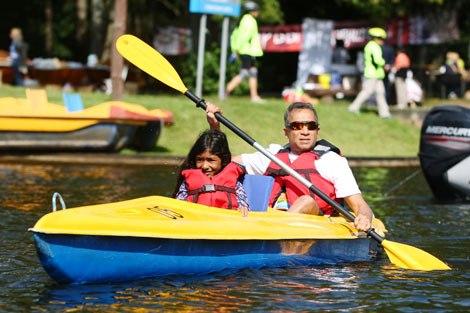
[(120, 13), (97, 14), (81, 17), (48, 32)]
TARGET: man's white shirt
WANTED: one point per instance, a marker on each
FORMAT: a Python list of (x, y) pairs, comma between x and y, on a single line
[(331, 166)]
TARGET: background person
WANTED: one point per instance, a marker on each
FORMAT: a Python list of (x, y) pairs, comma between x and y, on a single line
[(207, 175), (18, 55), (374, 74), (401, 67), (453, 73), (334, 176), (340, 53), (246, 44), (389, 56), (339, 61)]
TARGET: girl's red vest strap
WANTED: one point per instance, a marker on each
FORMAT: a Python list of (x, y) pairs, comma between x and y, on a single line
[(304, 165), (218, 190)]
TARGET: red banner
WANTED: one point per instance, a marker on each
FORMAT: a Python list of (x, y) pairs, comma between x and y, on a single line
[(398, 31), (281, 38), (352, 33), (416, 30)]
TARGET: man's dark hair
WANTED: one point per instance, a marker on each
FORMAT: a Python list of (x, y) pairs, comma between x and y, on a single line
[(299, 106)]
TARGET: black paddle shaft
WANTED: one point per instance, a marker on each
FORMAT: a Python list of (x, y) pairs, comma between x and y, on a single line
[(200, 103)]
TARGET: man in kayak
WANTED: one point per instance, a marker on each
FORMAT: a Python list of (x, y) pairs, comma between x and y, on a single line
[(328, 171)]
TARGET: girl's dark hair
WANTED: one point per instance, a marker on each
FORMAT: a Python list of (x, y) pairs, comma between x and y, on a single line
[(213, 140)]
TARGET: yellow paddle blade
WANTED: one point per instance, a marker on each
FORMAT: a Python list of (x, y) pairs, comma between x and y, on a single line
[(150, 61), (409, 257)]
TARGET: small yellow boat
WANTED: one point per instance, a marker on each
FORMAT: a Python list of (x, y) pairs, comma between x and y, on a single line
[(26, 125)]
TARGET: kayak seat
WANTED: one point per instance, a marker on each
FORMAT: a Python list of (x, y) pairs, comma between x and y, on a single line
[(258, 190), (73, 102)]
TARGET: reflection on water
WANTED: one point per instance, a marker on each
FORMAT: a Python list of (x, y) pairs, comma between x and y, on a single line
[(30, 187), (409, 212), (296, 246)]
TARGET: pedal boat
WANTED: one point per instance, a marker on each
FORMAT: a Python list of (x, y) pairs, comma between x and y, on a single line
[(108, 127), (158, 236)]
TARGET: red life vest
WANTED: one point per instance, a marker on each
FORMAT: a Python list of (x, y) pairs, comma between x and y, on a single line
[(304, 165), (217, 191)]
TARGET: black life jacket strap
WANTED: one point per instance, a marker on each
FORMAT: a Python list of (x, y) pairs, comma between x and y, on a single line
[(321, 147), (280, 172)]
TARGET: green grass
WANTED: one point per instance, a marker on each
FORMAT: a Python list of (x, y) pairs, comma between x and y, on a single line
[(363, 135)]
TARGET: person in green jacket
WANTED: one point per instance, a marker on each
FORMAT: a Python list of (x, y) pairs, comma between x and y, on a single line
[(246, 44), (374, 74)]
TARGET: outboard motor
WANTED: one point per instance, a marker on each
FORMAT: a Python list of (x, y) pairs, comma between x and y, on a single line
[(444, 152)]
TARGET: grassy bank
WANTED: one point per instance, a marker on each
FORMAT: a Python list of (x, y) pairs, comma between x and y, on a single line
[(357, 135)]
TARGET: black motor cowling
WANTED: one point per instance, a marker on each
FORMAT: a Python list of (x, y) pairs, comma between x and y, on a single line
[(444, 152)]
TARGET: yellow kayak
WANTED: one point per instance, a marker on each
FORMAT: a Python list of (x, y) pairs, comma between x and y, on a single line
[(160, 236)]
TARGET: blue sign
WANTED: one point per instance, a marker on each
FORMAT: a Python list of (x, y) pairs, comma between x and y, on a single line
[(217, 7)]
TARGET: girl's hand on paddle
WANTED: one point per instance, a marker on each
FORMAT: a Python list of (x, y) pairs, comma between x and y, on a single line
[(362, 223), (244, 210), (211, 109)]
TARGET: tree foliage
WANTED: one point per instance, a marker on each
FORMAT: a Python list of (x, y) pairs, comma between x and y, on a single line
[(385, 9), (72, 29), (271, 12), (145, 16)]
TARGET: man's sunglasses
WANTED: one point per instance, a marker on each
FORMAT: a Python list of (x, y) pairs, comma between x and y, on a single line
[(312, 125)]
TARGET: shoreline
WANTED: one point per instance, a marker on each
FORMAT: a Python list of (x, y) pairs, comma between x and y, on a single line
[(106, 159)]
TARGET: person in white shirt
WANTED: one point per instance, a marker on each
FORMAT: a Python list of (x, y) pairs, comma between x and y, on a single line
[(301, 128)]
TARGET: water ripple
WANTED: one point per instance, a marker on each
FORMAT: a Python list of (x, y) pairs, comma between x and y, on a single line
[(409, 213)]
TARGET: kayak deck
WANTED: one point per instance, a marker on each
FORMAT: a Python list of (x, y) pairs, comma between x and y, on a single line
[(161, 217)]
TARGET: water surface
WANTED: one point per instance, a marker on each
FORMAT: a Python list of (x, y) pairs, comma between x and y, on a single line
[(408, 210)]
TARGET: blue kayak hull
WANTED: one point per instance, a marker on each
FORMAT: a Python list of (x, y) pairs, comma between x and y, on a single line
[(77, 259)]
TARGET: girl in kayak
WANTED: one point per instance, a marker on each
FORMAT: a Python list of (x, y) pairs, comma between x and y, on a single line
[(207, 175)]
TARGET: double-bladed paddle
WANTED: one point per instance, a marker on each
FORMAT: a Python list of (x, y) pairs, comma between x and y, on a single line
[(153, 63)]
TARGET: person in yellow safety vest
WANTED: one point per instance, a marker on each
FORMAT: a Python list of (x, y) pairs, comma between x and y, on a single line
[(246, 44), (374, 73)]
